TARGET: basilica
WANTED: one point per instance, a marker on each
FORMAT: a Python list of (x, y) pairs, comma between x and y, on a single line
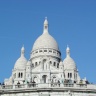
[(45, 74)]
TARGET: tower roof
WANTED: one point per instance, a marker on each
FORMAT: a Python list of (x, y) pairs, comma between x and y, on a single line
[(21, 62), (68, 62), (45, 40)]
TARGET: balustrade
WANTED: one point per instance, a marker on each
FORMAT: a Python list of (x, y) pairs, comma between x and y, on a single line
[(41, 85)]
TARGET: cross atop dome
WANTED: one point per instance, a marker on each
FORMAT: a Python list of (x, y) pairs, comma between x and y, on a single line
[(68, 51), (46, 21), (45, 26), (22, 50)]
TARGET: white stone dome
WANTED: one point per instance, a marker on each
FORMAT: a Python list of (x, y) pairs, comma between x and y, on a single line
[(22, 61), (45, 41), (68, 62)]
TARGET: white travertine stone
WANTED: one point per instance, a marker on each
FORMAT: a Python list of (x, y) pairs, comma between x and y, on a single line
[(21, 62), (45, 74), (68, 62)]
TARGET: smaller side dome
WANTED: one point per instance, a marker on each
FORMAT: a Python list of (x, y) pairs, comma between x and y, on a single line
[(68, 62), (22, 61)]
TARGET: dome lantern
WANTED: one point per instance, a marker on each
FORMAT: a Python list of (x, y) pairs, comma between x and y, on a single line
[(22, 50), (45, 26), (45, 40), (68, 62)]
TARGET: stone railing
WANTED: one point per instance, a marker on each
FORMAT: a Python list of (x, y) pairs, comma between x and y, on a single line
[(45, 85)]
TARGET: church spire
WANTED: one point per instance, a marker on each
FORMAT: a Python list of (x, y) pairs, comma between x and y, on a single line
[(22, 50), (67, 51), (45, 26)]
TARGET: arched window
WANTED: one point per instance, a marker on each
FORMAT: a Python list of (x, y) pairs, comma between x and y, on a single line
[(50, 51), (53, 79), (54, 63), (54, 51), (35, 63), (21, 75), (44, 61), (36, 52), (32, 65), (46, 27), (44, 64), (45, 50), (44, 78), (68, 75), (50, 62), (40, 50), (35, 79), (57, 65)]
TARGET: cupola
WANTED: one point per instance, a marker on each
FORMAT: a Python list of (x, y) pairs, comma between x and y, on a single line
[(68, 62), (22, 61)]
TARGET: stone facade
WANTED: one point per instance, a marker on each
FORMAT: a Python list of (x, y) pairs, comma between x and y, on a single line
[(45, 74)]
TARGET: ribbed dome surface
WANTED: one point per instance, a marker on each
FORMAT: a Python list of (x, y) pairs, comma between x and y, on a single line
[(45, 41), (69, 63), (21, 63)]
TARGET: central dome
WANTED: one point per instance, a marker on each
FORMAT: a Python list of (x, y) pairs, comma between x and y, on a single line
[(45, 40)]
